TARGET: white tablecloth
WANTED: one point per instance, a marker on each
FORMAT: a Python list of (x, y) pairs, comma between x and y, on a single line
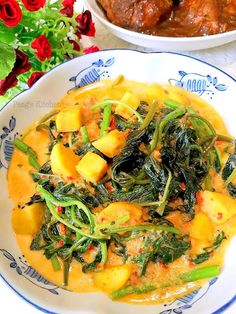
[(223, 57)]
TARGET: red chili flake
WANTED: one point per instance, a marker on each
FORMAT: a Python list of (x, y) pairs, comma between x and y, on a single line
[(218, 143), (199, 198), (134, 278), (140, 250), (182, 186), (163, 265), (109, 187), (191, 264), (219, 216), (60, 243), (90, 247), (112, 123), (103, 219), (62, 229), (100, 266), (59, 209), (70, 178)]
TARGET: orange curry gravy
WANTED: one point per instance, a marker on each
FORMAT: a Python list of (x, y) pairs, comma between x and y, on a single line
[(21, 188)]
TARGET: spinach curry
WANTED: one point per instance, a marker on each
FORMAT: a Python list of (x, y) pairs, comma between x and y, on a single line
[(128, 188)]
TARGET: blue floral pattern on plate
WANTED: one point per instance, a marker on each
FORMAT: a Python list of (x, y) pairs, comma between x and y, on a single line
[(92, 73), (198, 83), (6, 142), (23, 269)]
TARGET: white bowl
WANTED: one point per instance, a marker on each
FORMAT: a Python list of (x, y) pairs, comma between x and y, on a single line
[(159, 42), (203, 79)]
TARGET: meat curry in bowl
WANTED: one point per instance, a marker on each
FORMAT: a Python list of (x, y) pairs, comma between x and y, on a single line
[(127, 188), (172, 18)]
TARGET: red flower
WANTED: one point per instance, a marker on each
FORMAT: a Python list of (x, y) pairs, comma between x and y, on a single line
[(9, 82), (10, 12), (68, 7), (21, 65), (85, 23), (43, 48), (33, 5), (35, 76), (78, 34), (76, 46), (91, 49)]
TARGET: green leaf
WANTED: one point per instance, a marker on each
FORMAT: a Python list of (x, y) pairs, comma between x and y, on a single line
[(7, 34), (7, 59)]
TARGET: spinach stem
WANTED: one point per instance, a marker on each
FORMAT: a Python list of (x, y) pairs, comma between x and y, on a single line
[(201, 273), (24, 148), (154, 140), (84, 134), (47, 116), (211, 144), (47, 128), (170, 116), (172, 104), (142, 228), (75, 246), (106, 119), (150, 115), (103, 246), (75, 219), (230, 177), (69, 202), (225, 138), (131, 290), (66, 268), (205, 121), (52, 209), (108, 225), (162, 202), (117, 102), (55, 263)]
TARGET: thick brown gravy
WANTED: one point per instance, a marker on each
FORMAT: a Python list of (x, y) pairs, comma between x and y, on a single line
[(178, 18), (198, 18)]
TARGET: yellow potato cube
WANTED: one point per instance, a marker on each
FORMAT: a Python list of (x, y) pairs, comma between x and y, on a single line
[(112, 279), (129, 99), (155, 91), (29, 219), (63, 161), (219, 207), (69, 119), (201, 227), (120, 209), (111, 144), (92, 167)]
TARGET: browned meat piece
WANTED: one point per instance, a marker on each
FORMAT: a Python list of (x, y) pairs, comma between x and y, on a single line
[(228, 14), (139, 15), (201, 15)]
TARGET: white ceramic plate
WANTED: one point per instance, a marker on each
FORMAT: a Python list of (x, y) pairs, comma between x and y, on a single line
[(205, 80), (158, 42)]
